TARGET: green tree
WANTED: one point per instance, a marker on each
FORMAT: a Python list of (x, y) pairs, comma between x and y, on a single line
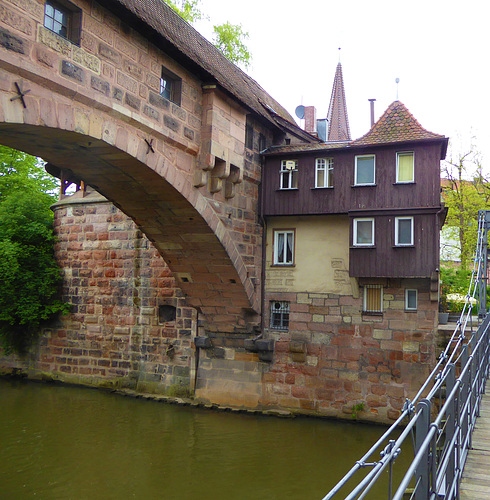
[(29, 276), (228, 38), (465, 192)]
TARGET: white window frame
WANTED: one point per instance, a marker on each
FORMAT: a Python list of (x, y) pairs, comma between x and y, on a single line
[(407, 292), (374, 171), (282, 311), (364, 301), (280, 254), (324, 165), (291, 174), (354, 232), (401, 153), (397, 231)]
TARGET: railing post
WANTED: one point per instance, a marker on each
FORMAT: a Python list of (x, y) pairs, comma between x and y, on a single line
[(450, 427), (423, 468), (463, 408), (482, 278)]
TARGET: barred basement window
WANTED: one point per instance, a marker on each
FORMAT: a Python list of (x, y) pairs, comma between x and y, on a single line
[(373, 299), (279, 315), (64, 19)]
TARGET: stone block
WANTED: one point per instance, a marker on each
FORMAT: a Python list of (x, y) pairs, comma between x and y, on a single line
[(72, 71)]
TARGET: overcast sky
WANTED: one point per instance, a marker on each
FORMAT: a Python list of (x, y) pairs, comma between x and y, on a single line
[(438, 49)]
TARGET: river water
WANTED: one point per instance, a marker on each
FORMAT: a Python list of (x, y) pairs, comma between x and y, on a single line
[(65, 442)]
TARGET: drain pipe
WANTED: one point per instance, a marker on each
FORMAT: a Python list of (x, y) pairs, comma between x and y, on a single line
[(264, 239)]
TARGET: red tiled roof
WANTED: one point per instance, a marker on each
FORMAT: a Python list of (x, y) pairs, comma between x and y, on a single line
[(396, 125)]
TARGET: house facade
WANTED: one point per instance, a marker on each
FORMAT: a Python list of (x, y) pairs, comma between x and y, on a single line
[(352, 261)]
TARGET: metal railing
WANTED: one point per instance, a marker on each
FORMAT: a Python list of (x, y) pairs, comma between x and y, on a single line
[(441, 416)]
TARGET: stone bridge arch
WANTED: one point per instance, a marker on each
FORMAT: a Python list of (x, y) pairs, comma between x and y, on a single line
[(148, 175)]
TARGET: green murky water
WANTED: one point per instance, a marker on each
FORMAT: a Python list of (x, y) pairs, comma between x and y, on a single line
[(62, 442)]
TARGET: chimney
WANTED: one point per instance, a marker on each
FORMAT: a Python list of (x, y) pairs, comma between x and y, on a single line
[(372, 110), (310, 119)]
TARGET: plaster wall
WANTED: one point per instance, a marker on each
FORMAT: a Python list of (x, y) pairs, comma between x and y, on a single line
[(321, 256)]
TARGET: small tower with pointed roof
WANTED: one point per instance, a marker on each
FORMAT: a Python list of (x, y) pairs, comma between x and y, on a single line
[(338, 122)]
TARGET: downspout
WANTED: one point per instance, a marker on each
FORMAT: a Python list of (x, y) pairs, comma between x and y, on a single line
[(264, 239)]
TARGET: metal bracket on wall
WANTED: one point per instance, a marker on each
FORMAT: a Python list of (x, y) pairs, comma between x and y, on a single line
[(149, 143), (20, 95)]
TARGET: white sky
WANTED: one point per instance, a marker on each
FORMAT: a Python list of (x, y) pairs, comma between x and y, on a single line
[(440, 51)]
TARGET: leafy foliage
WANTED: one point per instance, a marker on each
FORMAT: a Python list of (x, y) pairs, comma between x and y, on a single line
[(465, 192), (187, 9), (227, 37), (29, 276)]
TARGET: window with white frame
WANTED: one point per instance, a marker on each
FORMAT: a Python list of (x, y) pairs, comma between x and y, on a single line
[(373, 299), (279, 315), (410, 300), (324, 172), (170, 86), (403, 231), (283, 247), (405, 167), (289, 174), (64, 19), (365, 170), (363, 232)]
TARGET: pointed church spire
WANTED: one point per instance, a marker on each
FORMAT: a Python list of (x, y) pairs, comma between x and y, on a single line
[(338, 122)]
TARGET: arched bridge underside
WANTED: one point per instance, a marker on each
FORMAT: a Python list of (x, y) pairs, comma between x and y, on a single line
[(149, 177)]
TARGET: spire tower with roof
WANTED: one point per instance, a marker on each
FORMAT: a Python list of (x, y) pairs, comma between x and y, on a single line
[(338, 122)]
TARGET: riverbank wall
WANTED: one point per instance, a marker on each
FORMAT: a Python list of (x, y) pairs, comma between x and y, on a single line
[(130, 328)]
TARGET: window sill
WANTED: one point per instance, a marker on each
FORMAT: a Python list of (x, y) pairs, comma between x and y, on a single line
[(325, 187), (363, 246), (287, 189), (403, 246), (283, 265), (372, 313), (404, 183), (362, 185), (410, 310)]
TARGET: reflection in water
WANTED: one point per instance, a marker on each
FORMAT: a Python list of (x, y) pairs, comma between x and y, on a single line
[(68, 442)]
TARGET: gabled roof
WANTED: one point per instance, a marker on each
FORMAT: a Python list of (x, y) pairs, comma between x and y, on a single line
[(156, 21), (338, 122), (396, 125)]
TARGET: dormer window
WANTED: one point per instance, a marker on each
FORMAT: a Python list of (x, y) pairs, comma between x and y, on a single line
[(405, 167), (289, 174), (64, 19), (170, 86), (365, 171)]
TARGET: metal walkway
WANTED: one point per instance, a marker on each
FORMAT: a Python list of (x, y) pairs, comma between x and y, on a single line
[(436, 426)]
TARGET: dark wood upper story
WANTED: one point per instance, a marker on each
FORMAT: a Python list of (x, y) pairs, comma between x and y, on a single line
[(345, 196)]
